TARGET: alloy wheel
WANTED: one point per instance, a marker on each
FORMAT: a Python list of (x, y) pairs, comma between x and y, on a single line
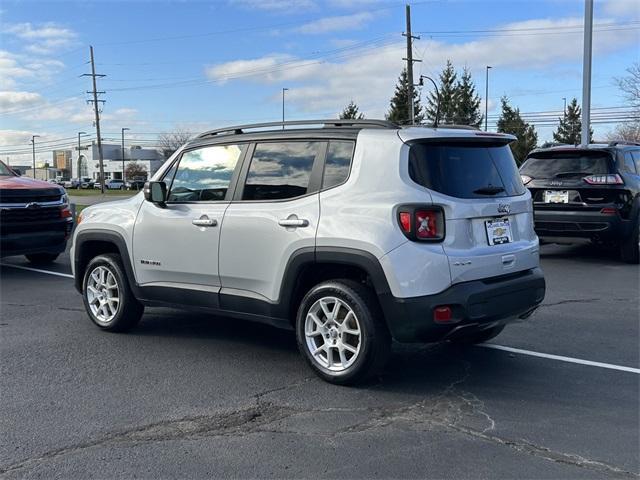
[(103, 294), (333, 334)]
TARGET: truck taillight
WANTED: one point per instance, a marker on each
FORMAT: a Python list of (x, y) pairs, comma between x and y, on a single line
[(422, 223), (604, 180)]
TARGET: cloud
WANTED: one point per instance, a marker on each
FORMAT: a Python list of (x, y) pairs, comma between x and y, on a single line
[(622, 8), (44, 39), (335, 24), (369, 76), (13, 100), (278, 6)]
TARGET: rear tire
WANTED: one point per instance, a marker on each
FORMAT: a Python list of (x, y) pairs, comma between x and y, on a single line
[(341, 332), (107, 296), (478, 337), (42, 258), (630, 247)]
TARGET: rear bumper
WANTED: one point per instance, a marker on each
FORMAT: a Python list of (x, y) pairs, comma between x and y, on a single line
[(50, 237), (580, 224), (475, 305)]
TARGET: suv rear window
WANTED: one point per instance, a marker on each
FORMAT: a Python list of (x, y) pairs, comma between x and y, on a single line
[(465, 170), (566, 164)]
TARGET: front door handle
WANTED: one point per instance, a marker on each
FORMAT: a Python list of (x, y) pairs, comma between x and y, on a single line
[(293, 222), (204, 221)]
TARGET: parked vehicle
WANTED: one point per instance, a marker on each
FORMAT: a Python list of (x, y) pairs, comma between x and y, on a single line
[(87, 182), (351, 233), (35, 219), (590, 192), (135, 184), (72, 183), (114, 185)]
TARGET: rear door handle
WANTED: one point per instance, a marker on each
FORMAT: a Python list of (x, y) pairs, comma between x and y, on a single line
[(293, 222), (204, 221)]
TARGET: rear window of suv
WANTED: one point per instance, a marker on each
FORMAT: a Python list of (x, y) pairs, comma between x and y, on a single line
[(566, 164), (465, 170)]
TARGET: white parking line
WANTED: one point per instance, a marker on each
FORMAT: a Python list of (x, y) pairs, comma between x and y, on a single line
[(561, 358), (37, 270)]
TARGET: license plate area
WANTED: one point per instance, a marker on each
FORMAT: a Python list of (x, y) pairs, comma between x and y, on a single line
[(498, 231), (556, 196)]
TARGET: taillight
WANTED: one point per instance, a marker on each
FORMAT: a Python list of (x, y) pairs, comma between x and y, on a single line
[(604, 180), (422, 223), (609, 211)]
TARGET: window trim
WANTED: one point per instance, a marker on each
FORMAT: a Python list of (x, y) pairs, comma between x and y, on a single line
[(232, 182), (315, 178), (324, 164)]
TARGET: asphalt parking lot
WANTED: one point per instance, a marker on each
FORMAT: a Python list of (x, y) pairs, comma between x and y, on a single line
[(187, 395)]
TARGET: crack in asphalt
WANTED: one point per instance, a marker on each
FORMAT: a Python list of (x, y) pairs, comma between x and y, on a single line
[(453, 409), (585, 300)]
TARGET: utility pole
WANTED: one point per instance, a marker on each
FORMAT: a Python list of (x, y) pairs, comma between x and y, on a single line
[(122, 131), (564, 110), (79, 148), (410, 61), (33, 144), (586, 71), (95, 101), (486, 99), (283, 90)]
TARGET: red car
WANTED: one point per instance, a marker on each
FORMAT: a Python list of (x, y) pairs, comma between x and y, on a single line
[(35, 219)]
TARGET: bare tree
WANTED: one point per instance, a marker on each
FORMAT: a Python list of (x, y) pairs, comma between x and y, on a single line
[(629, 132), (630, 85), (171, 141), (135, 170)]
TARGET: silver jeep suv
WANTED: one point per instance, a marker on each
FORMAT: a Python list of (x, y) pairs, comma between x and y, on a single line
[(352, 233)]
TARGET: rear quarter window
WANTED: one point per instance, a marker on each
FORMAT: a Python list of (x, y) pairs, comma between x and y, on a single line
[(465, 170)]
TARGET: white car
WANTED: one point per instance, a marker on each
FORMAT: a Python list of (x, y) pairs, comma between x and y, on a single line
[(113, 185), (352, 233)]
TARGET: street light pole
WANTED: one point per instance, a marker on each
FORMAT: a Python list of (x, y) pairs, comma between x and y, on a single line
[(33, 143), (283, 90), (486, 100), (79, 147), (122, 132), (564, 110)]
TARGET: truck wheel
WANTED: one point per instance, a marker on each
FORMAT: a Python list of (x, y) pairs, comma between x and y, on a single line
[(630, 247), (341, 332), (107, 296), (478, 337), (42, 258)]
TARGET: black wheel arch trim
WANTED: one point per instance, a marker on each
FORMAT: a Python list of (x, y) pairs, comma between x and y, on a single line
[(105, 236)]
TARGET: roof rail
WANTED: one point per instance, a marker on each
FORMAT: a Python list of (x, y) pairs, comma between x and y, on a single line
[(623, 142), (238, 129)]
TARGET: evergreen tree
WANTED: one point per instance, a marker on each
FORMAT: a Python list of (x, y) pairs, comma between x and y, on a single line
[(511, 122), (570, 126), (448, 92), (467, 102), (351, 111), (399, 108)]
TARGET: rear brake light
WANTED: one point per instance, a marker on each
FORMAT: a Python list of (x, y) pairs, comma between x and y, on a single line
[(525, 179), (609, 211), (604, 180), (422, 223), (442, 314)]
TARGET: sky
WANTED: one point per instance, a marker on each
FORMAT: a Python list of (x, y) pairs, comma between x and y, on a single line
[(197, 65)]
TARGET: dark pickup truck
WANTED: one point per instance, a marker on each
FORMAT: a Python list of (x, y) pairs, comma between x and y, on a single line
[(35, 219)]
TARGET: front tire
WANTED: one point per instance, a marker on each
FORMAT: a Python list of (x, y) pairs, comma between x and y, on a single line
[(107, 296), (42, 258), (341, 332)]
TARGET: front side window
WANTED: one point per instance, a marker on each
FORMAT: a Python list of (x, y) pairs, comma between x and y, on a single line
[(280, 170), (338, 163), (204, 174)]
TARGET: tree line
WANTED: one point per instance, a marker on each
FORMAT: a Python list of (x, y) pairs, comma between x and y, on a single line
[(460, 104)]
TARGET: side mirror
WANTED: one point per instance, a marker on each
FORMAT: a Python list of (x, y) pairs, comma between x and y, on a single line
[(156, 192)]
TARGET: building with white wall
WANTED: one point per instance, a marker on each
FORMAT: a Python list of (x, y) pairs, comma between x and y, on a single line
[(87, 163)]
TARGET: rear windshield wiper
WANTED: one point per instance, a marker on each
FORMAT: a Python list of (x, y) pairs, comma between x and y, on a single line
[(489, 190), (571, 174)]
